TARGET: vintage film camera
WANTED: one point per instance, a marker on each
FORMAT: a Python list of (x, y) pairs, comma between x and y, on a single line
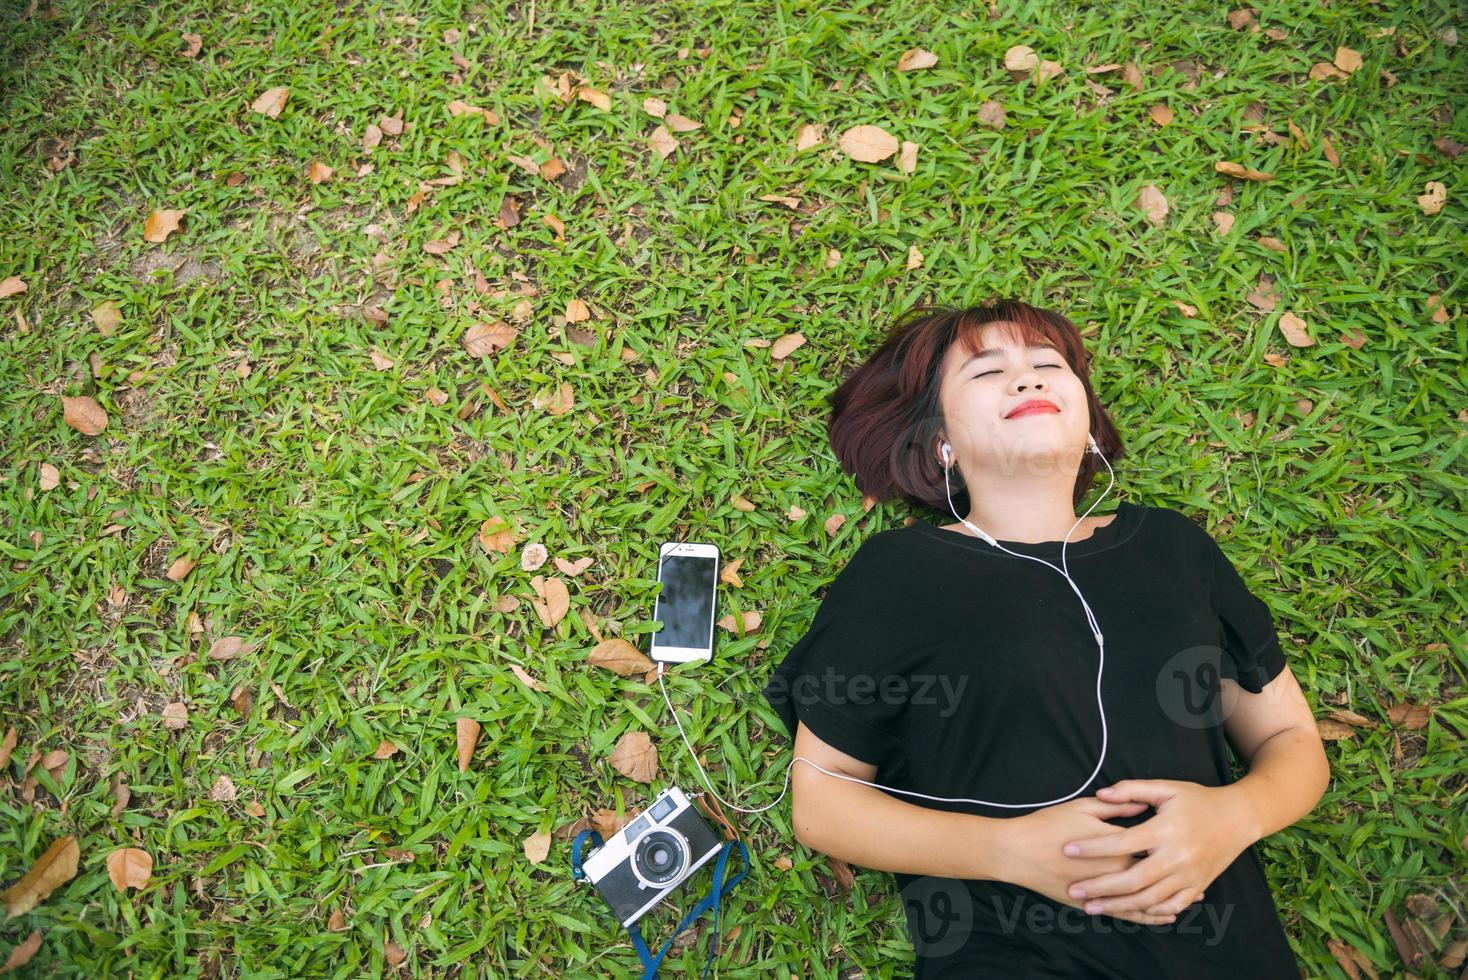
[(651, 856)]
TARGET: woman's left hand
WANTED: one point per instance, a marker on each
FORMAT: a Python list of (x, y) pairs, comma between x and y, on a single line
[(1195, 834)]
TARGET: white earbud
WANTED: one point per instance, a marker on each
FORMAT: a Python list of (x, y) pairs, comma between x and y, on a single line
[(947, 454), (1093, 448)]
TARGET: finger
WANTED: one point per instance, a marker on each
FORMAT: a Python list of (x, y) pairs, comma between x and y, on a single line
[(1103, 810), (1152, 791), (1129, 840), (1146, 919), (1140, 901), (1142, 875), (1175, 903)]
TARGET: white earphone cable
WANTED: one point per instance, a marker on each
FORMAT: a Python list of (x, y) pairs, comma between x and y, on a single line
[(1090, 618)]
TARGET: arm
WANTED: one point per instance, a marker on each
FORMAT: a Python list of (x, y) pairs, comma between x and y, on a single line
[(865, 826), (1199, 830), (1274, 733), (862, 825)]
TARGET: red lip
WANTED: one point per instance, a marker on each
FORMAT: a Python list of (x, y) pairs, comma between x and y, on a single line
[(1033, 405)]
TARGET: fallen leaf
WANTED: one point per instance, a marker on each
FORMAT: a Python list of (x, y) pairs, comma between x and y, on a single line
[(526, 679), (750, 618), (1347, 59), (194, 43), (22, 953), (537, 846), (680, 124), (7, 746), (1152, 203), (786, 345), (11, 286), (467, 737), (1161, 114), (180, 567), (122, 794), (662, 142), (380, 361), (1411, 716), (228, 647), (1223, 222), (271, 101), (1435, 197), (496, 535), (83, 414), (371, 137), (52, 869), (991, 115), (336, 922), (594, 96), (1294, 330), (635, 757), (1333, 731), (175, 716), (130, 867), (808, 135), (620, 656), (554, 600), (254, 809), (385, 750), (161, 224), (867, 144), (393, 953), (915, 58), (1240, 171), (316, 172), (1021, 58), (223, 790), (576, 311), (573, 568), (107, 317), (484, 339)]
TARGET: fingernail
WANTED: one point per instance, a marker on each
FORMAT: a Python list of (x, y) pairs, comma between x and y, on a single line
[(1072, 850), (1077, 893), (1093, 907)]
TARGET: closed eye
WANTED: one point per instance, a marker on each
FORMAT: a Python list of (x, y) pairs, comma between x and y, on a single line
[(997, 371)]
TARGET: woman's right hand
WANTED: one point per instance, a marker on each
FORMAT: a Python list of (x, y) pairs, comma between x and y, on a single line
[(1033, 857)]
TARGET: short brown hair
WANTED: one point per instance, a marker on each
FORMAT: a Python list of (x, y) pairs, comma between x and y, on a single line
[(886, 415)]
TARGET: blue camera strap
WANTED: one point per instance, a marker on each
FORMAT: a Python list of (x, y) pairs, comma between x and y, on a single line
[(721, 887)]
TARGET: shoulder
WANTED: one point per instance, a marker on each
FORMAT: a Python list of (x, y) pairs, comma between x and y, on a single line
[(1175, 523)]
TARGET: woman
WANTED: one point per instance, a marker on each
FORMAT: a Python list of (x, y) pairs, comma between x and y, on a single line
[(946, 662)]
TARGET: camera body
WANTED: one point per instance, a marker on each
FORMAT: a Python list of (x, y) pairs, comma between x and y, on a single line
[(651, 856)]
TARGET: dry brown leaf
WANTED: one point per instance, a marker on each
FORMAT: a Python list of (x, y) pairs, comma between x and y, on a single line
[(316, 172), (458, 108), (7, 746), (786, 345), (1161, 114), (554, 600), (867, 144), (1273, 244), (223, 790), (680, 124), (193, 44), (1333, 731), (907, 157), (254, 809), (576, 311), (914, 59), (914, 257), (1223, 222), (1324, 69), (1438, 309), (808, 135), (122, 793), (525, 678), (991, 115), (635, 757), (175, 716), (1240, 171), (1412, 716), (371, 137), (385, 750), (11, 286), (496, 535), (1021, 58), (228, 647), (271, 101), (107, 317), (1294, 330), (23, 952), (52, 869), (1347, 59), (83, 414), (537, 846), (180, 568), (130, 867), (617, 654), (750, 618), (484, 339), (1435, 197), (1152, 203), (467, 736), (393, 953), (573, 568), (161, 224), (1352, 718), (596, 97), (662, 142)]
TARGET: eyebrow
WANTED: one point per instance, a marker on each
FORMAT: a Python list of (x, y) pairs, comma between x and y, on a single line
[(994, 351)]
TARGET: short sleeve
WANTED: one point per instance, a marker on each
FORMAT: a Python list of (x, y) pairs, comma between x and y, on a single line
[(843, 678), (1252, 653)]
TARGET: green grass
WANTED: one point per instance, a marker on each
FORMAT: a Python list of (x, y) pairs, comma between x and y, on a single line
[(374, 608)]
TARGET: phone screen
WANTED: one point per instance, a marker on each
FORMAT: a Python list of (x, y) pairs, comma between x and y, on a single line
[(685, 606)]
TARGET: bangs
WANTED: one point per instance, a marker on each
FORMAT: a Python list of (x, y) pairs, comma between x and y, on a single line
[(1022, 325)]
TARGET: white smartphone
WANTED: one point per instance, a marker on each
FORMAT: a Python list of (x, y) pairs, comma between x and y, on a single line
[(689, 573)]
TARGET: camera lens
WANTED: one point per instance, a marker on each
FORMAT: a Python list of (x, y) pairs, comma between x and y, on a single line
[(660, 857)]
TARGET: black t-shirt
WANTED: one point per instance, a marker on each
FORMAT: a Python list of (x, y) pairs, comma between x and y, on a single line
[(962, 671)]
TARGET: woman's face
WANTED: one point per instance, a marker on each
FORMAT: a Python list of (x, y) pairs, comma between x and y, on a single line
[(988, 417)]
